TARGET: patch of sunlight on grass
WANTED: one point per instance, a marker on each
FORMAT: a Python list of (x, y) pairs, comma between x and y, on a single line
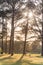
[(33, 58), (7, 59), (25, 64), (33, 54), (37, 61), (19, 59), (0, 63), (3, 56)]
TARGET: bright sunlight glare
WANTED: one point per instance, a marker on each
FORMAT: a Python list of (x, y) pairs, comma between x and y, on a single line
[(30, 14)]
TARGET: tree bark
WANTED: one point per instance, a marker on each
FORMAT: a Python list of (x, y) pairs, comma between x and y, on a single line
[(42, 38), (26, 30), (24, 50), (6, 40), (2, 37), (12, 32)]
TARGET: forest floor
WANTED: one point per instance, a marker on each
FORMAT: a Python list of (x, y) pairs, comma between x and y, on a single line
[(19, 59)]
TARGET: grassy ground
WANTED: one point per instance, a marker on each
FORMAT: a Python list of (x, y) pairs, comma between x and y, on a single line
[(19, 59)]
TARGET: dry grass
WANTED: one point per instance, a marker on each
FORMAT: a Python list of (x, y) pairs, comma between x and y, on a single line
[(19, 59)]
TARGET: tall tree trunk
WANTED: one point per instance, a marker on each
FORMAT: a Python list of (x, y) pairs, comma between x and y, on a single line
[(10, 46), (12, 32), (24, 50), (6, 38), (2, 37), (42, 38), (26, 30)]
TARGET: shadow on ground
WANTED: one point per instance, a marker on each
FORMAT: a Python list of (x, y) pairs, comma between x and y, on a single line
[(24, 62), (21, 61)]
